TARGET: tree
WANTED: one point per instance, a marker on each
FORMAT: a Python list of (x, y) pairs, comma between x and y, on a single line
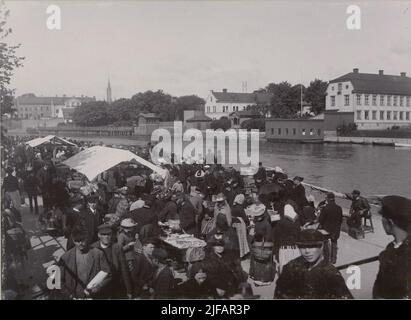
[(157, 102), (222, 123), (92, 114), (285, 102), (253, 124), (123, 111), (9, 61), (191, 102), (315, 95)]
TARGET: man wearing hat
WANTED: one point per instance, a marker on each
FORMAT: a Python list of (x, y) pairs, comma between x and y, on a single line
[(187, 213), (31, 187), (223, 270), (143, 268), (359, 208), (297, 193), (120, 284), (330, 221), (146, 218), (261, 176), (163, 284), (310, 276), (80, 265), (394, 276)]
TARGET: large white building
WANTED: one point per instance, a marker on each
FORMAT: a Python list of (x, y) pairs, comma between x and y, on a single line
[(378, 101), (29, 106), (222, 104)]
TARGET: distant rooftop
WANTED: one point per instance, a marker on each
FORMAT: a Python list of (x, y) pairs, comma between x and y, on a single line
[(149, 115), (377, 83), (32, 99), (240, 97)]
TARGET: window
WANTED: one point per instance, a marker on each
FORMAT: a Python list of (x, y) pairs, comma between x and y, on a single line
[(243, 107), (208, 109), (294, 131), (401, 101), (407, 115), (395, 117), (388, 115), (366, 115), (346, 86), (358, 114), (374, 99), (279, 131), (272, 130), (395, 101), (408, 102), (211, 99), (340, 87), (388, 100), (347, 100), (286, 131), (319, 132), (381, 115), (311, 132), (358, 99), (332, 88), (41, 114), (401, 115), (374, 115), (303, 132), (382, 100), (214, 108), (367, 100), (333, 101)]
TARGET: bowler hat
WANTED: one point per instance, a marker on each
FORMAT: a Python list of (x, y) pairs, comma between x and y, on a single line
[(310, 237), (105, 228), (330, 196)]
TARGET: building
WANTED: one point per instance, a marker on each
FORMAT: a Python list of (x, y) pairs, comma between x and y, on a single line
[(66, 114), (294, 130), (147, 118), (221, 104), (238, 117), (109, 99), (29, 106), (378, 101), (199, 121)]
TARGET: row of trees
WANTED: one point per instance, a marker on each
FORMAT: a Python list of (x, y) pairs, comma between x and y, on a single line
[(125, 111), (9, 61)]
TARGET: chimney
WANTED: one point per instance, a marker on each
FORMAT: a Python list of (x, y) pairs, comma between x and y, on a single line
[(224, 90), (381, 72), (403, 74), (355, 70)]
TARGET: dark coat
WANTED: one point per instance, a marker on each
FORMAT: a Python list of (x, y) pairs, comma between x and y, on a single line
[(237, 210), (331, 219), (394, 276), (297, 194), (224, 272), (191, 289), (144, 216), (322, 282), (164, 284), (142, 273), (169, 212), (31, 185), (71, 284), (120, 280), (187, 215)]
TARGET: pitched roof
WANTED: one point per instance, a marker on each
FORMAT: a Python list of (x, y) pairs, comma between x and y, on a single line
[(199, 118), (149, 115), (376, 83), (238, 97), (246, 113), (32, 99)]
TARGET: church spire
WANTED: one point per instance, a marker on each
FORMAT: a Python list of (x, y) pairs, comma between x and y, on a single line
[(109, 100)]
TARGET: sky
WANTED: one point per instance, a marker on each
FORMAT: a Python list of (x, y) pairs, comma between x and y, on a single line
[(192, 47)]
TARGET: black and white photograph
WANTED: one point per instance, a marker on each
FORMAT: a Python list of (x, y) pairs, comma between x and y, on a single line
[(205, 150)]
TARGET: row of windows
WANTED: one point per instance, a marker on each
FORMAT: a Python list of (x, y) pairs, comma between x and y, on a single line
[(225, 108), (383, 115), (30, 115), (287, 131), (346, 100), (39, 108), (391, 100)]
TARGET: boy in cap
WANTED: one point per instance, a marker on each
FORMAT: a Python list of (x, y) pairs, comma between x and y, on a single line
[(394, 276), (163, 284), (120, 284), (310, 276)]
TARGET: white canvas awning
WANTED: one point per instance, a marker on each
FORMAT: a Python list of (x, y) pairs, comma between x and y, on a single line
[(95, 160), (49, 139)]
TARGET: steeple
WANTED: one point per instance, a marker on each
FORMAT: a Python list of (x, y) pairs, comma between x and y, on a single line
[(109, 101)]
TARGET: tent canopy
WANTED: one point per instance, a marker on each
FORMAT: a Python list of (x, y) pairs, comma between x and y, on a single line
[(49, 139), (95, 160)]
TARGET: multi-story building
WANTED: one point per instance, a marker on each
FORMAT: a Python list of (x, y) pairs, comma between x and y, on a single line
[(222, 104), (29, 106), (378, 101)]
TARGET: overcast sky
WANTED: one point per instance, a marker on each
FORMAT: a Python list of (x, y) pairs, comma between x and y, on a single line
[(192, 47)]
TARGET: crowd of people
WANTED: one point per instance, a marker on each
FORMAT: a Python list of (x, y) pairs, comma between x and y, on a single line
[(115, 229)]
